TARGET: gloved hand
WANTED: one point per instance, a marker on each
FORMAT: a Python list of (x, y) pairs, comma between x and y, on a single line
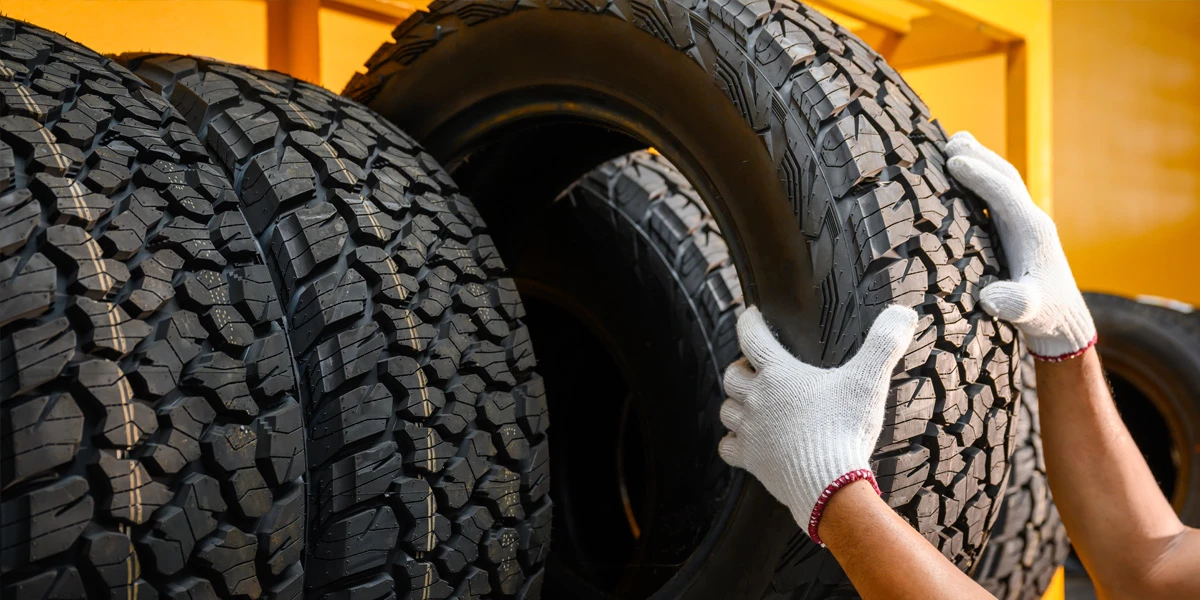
[(1043, 300), (804, 431)]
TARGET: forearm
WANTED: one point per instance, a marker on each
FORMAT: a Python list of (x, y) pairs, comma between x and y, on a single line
[(1120, 523), (883, 555)]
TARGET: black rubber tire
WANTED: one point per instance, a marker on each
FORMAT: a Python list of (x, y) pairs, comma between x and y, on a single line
[(1028, 542), (668, 335), (639, 211), (1156, 350), (427, 423), (666, 236), (151, 441), (816, 160)]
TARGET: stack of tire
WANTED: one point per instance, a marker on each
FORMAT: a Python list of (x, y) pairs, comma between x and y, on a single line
[(255, 345), (258, 343)]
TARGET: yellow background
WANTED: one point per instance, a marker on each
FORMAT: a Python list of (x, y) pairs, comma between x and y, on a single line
[(1113, 120)]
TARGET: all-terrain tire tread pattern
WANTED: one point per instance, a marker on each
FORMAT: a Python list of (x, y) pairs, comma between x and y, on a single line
[(139, 454), (863, 167), (416, 367), (1028, 542)]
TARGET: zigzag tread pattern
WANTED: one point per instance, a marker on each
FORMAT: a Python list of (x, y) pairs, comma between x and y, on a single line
[(425, 414), (863, 165), (143, 451)]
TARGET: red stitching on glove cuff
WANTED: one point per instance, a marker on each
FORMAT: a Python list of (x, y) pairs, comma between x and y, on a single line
[(1067, 356), (823, 499)]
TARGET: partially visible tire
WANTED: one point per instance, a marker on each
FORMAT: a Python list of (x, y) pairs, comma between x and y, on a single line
[(1151, 355), (816, 160), (633, 301), (427, 423), (1028, 543), (151, 441)]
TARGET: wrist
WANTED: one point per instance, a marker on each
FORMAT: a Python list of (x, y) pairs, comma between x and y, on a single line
[(860, 479), (844, 509)]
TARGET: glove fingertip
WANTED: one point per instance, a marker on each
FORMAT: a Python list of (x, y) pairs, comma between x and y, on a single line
[(757, 341), (959, 142), (1010, 301)]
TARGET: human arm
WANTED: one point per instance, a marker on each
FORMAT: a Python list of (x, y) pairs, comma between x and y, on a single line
[(882, 554), (1123, 528), (1121, 525), (807, 434)]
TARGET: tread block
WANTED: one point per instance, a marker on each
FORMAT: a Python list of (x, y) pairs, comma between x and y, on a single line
[(222, 379), (360, 477), (356, 415), (19, 216), (184, 421), (330, 299), (281, 532), (418, 398), (500, 491), (29, 292), (45, 521), (280, 455), (152, 283), (38, 355), (176, 528), (127, 421), (344, 358), (269, 367), (232, 448), (305, 240), (39, 435), (228, 557), (426, 528), (353, 544)]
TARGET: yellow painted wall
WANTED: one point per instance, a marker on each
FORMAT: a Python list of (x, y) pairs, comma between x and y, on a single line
[(1127, 144), (965, 95), (1031, 20), (232, 30), (347, 41)]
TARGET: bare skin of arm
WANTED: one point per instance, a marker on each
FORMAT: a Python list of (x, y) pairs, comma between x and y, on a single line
[(1123, 528), (883, 555)]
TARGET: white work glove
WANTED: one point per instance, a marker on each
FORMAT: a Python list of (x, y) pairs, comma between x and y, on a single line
[(1042, 301), (804, 431)]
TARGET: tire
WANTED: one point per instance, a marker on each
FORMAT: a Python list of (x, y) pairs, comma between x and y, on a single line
[(740, 97), (1028, 543), (427, 423), (670, 332), (151, 441), (1152, 358)]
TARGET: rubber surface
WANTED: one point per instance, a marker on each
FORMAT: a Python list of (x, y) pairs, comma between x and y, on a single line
[(426, 421), (670, 239), (1157, 350), (151, 441), (816, 160), (1028, 542), (670, 332)]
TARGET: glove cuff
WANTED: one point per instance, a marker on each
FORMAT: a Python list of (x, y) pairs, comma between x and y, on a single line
[(1067, 355), (1075, 333), (818, 509)]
